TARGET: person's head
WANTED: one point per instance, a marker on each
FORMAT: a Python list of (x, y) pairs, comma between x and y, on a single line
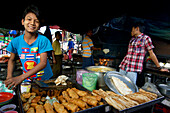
[(70, 39), (58, 35), (31, 19), (89, 33), (137, 29)]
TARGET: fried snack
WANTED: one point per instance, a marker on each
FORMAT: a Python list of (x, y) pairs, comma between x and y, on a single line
[(26, 95), (34, 105), (36, 99), (114, 103), (101, 103), (26, 106), (31, 110), (70, 106), (59, 108), (72, 93), (42, 93), (138, 98), (43, 99), (33, 94), (40, 109), (23, 99), (48, 108), (100, 92), (121, 86), (79, 92), (35, 90), (134, 103), (30, 99), (65, 95), (78, 102), (56, 93), (61, 99), (98, 98), (90, 101), (150, 95)]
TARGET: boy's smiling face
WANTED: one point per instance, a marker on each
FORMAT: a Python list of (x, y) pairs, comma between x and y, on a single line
[(31, 23)]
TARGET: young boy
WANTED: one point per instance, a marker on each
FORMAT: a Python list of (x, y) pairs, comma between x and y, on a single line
[(138, 46), (32, 49)]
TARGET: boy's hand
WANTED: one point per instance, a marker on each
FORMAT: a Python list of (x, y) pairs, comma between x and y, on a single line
[(13, 82), (164, 70)]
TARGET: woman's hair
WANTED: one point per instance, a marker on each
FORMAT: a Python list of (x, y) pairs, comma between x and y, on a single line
[(31, 9)]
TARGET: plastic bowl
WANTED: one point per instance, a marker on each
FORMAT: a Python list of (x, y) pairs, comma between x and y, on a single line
[(9, 107), (11, 112)]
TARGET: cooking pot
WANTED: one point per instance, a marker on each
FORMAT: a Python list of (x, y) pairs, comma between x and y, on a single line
[(164, 89), (100, 71)]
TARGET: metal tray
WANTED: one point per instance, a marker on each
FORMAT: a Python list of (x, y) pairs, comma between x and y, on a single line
[(97, 109), (126, 80), (101, 67)]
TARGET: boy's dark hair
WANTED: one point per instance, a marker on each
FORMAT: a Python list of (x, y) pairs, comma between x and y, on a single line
[(140, 25), (31, 9)]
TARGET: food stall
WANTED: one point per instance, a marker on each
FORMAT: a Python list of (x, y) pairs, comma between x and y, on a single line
[(65, 91), (105, 94)]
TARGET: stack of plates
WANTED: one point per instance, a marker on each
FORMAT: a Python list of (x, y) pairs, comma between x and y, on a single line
[(5, 97)]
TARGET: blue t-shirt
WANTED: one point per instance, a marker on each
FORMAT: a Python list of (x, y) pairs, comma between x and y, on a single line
[(70, 44), (30, 55)]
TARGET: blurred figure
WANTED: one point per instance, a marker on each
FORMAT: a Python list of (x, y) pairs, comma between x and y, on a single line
[(57, 56), (70, 48), (88, 46)]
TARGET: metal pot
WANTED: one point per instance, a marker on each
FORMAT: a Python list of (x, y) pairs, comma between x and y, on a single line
[(164, 89), (101, 74)]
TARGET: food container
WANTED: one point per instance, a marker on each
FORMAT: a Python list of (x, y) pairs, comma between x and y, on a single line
[(164, 89), (100, 71), (11, 112), (123, 78), (9, 107), (79, 75), (98, 109), (25, 87)]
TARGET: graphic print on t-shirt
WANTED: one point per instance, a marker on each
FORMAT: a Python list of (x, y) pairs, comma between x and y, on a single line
[(29, 64)]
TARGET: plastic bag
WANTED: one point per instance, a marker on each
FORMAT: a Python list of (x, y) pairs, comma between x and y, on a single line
[(89, 81)]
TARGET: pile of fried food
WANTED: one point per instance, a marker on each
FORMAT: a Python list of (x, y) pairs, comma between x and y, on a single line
[(125, 101), (70, 100)]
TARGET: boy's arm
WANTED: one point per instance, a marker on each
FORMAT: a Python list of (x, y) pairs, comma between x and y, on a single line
[(10, 68), (155, 60), (14, 81)]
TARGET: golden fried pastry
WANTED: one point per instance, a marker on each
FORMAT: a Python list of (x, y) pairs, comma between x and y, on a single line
[(70, 106), (79, 92), (78, 102), (59, 108), (26, 95), (40, 109), (90, 101), (31, 110), (36, 99), (61, 99), (65, 95), (26, 106), (48, 108), (72, 93), (34, 105)]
